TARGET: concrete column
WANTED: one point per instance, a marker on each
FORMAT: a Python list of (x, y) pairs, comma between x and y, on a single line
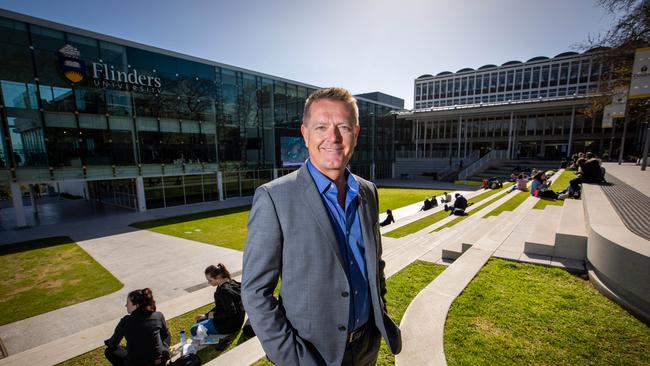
[(372, 172), (19, 208), (510, 149), (573, 116), (32, 199), (275, 173), (220, 185), (139, 192), (392, 170), (460, 126)]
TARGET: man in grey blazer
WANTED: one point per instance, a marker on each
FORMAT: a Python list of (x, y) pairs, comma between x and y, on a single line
[(317, 230)]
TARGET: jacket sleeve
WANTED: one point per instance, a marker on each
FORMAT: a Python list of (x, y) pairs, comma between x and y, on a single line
[(380, 262), (118, 334), (261, 271), (165, 336)]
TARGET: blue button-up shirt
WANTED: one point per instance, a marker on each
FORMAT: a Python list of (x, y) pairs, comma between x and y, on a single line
[(347, 226)]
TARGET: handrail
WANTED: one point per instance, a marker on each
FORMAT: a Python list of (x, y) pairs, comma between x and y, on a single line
[(481, 163)]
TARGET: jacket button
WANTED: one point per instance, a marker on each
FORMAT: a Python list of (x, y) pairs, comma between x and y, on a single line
[(345, 294), (342, 328)]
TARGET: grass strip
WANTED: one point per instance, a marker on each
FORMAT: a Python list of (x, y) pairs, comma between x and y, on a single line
[(523, 314), (47, 274), (429, 220), (206, 227), (393, 198), (473, 183), (401, 290), (510, 205), (558, 185)]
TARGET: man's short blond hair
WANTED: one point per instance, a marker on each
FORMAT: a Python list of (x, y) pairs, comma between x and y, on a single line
[(332, 93)]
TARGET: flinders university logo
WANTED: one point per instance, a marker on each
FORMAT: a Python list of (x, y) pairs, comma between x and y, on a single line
[(73, 68)]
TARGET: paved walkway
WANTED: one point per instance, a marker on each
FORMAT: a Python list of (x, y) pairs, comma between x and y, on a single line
[(138, 258), (631, 174)]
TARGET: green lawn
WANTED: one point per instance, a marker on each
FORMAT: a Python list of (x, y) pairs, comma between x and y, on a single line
[(429, 220), (401, 290), (207, 227), (522, 314), (510, 205), (474, 183), (558, 185), (393, 198), (47, 274)]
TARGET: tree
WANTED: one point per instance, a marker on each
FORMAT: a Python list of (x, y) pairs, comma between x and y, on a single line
[(630, 30)]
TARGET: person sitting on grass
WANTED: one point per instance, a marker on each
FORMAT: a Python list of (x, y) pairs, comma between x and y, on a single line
[(446, 198), (145, 330), (389, 218), (434, 201), (540, 188), (459, 207), (227, 316)]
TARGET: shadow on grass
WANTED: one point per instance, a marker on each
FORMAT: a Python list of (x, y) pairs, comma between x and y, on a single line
[(190, 217), (34, 244)]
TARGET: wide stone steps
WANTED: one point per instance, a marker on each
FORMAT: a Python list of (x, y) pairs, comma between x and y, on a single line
[(560, 232), (541, 240), (468, 237), (571, 235)]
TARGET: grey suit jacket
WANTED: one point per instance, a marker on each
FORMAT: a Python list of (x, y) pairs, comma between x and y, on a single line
[(290, 236)]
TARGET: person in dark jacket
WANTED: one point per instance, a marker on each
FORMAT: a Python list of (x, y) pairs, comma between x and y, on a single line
[(228, 313), (145, 330)]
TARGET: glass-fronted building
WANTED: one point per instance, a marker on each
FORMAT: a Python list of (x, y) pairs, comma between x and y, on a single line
[(567, 74), (143, 127), (533, 109)]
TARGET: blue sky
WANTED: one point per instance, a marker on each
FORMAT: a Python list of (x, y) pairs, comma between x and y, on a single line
[(362, 45)]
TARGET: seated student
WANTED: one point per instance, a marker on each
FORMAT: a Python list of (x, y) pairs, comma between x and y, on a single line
[(459, 207), (485, 184), (495, 183), (145, 330), (446, 198), (389, 218), (427, 205), (522, 183), (540, 188), (434, 201), (227, 316)]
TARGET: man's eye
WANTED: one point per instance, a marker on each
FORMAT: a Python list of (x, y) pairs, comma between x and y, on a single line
[(345, 128)]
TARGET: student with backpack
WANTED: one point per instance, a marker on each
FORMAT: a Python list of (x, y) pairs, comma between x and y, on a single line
[(227, 316)]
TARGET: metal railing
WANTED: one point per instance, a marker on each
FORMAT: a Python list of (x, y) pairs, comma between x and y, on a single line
[(482, 163)]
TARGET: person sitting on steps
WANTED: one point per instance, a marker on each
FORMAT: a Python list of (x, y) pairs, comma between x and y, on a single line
[(227, 316)]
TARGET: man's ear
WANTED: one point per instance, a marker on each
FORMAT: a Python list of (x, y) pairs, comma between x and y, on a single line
[(303, 131)]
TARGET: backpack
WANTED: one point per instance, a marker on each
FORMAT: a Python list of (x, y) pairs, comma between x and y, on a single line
[(190, 359)]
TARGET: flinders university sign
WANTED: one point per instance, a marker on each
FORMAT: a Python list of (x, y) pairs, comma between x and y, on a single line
[(105, 76)]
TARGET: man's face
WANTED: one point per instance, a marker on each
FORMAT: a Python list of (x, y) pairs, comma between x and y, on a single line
[(330, 136)]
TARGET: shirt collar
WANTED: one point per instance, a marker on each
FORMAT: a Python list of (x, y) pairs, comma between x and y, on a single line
[(323, 183)]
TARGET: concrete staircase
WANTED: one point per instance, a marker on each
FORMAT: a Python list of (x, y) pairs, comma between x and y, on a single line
[(559, 231)]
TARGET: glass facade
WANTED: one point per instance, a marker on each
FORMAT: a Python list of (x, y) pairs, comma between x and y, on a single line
[(567, 74), (74, 106)]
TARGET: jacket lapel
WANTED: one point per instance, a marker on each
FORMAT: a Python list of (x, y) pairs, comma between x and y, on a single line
[(368, 232), (311, 198)]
